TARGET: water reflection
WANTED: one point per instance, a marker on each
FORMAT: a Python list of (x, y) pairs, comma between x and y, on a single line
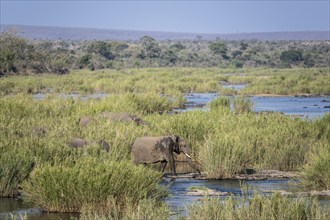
[(11, 208)]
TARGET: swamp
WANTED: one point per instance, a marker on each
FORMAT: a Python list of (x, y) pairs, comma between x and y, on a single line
[(242, 126)]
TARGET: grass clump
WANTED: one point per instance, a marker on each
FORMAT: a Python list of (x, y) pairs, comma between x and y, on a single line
[(220, 102), (257, 207), (235, 142), (16, 165), (315, 174), (146, 209), (90, 183), (242, 105)]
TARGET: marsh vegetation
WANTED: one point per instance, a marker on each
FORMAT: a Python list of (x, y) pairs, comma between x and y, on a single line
[(37, 164)]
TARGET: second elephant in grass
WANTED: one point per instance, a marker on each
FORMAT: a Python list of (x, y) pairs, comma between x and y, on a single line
[(123, 117), (81, 143), (147, 150)]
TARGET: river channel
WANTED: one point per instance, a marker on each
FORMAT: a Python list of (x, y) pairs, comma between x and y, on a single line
[(310, 107)]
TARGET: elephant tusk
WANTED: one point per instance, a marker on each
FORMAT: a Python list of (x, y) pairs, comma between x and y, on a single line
[(188, 155)]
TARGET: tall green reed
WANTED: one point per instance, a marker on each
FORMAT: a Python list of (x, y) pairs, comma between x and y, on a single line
[(258, 207), (89, 181)]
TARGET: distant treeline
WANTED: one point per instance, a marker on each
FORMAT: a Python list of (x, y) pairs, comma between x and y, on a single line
[(22, 56)]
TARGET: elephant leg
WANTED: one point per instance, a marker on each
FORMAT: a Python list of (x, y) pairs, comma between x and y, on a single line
[(167, 144), (172, 164), (163, 165)]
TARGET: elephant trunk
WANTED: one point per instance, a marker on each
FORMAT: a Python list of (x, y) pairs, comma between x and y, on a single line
[(191, 163)]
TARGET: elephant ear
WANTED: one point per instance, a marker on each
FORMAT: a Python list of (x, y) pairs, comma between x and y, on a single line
[(176, 140), (167, 142)]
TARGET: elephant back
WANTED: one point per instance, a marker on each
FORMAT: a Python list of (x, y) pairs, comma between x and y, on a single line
[(146, 149)]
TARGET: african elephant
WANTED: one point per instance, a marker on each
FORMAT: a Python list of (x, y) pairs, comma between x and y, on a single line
[(160, 149), (123, 117), (80, 143), (85, 120), (38, 131)]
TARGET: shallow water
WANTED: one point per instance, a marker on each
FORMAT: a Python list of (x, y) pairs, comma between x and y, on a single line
[(235, 87), (178, 200), (305, 107), (309, 107), (10, 207)]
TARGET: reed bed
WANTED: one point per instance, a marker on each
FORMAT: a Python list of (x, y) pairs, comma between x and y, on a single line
[(258, 207), (69, 187), (315, 174), (34, 136), (222, 141), (174, 81)]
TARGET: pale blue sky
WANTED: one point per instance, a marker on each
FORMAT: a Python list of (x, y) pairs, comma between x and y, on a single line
[(177, 16)]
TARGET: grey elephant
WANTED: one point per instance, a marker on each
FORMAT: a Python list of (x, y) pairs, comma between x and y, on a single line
[(81, 143), (39, 131), (86, 120), (123, 117), (147, 150)]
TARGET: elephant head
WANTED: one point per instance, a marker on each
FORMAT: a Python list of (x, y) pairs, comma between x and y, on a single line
[(160, 149), (85, 120), (122, 117), (180, 146), (81, 143)]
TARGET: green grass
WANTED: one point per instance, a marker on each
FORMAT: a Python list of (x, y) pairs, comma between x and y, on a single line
[(88, 181), (315, 174), (174, 81), (257, 207), (291, 82), (222, 142)]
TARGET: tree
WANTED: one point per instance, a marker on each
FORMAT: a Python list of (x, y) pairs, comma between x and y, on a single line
[(169, 56), (219, 48), (243, 45), (177, 47), (289, 56), (17, 55), (236, 53), (150, 47), (101, 47)]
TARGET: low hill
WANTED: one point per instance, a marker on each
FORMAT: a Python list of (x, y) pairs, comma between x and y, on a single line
[(72, 33)]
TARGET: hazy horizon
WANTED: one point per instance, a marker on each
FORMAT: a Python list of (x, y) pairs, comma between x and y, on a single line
[(207, 17)]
